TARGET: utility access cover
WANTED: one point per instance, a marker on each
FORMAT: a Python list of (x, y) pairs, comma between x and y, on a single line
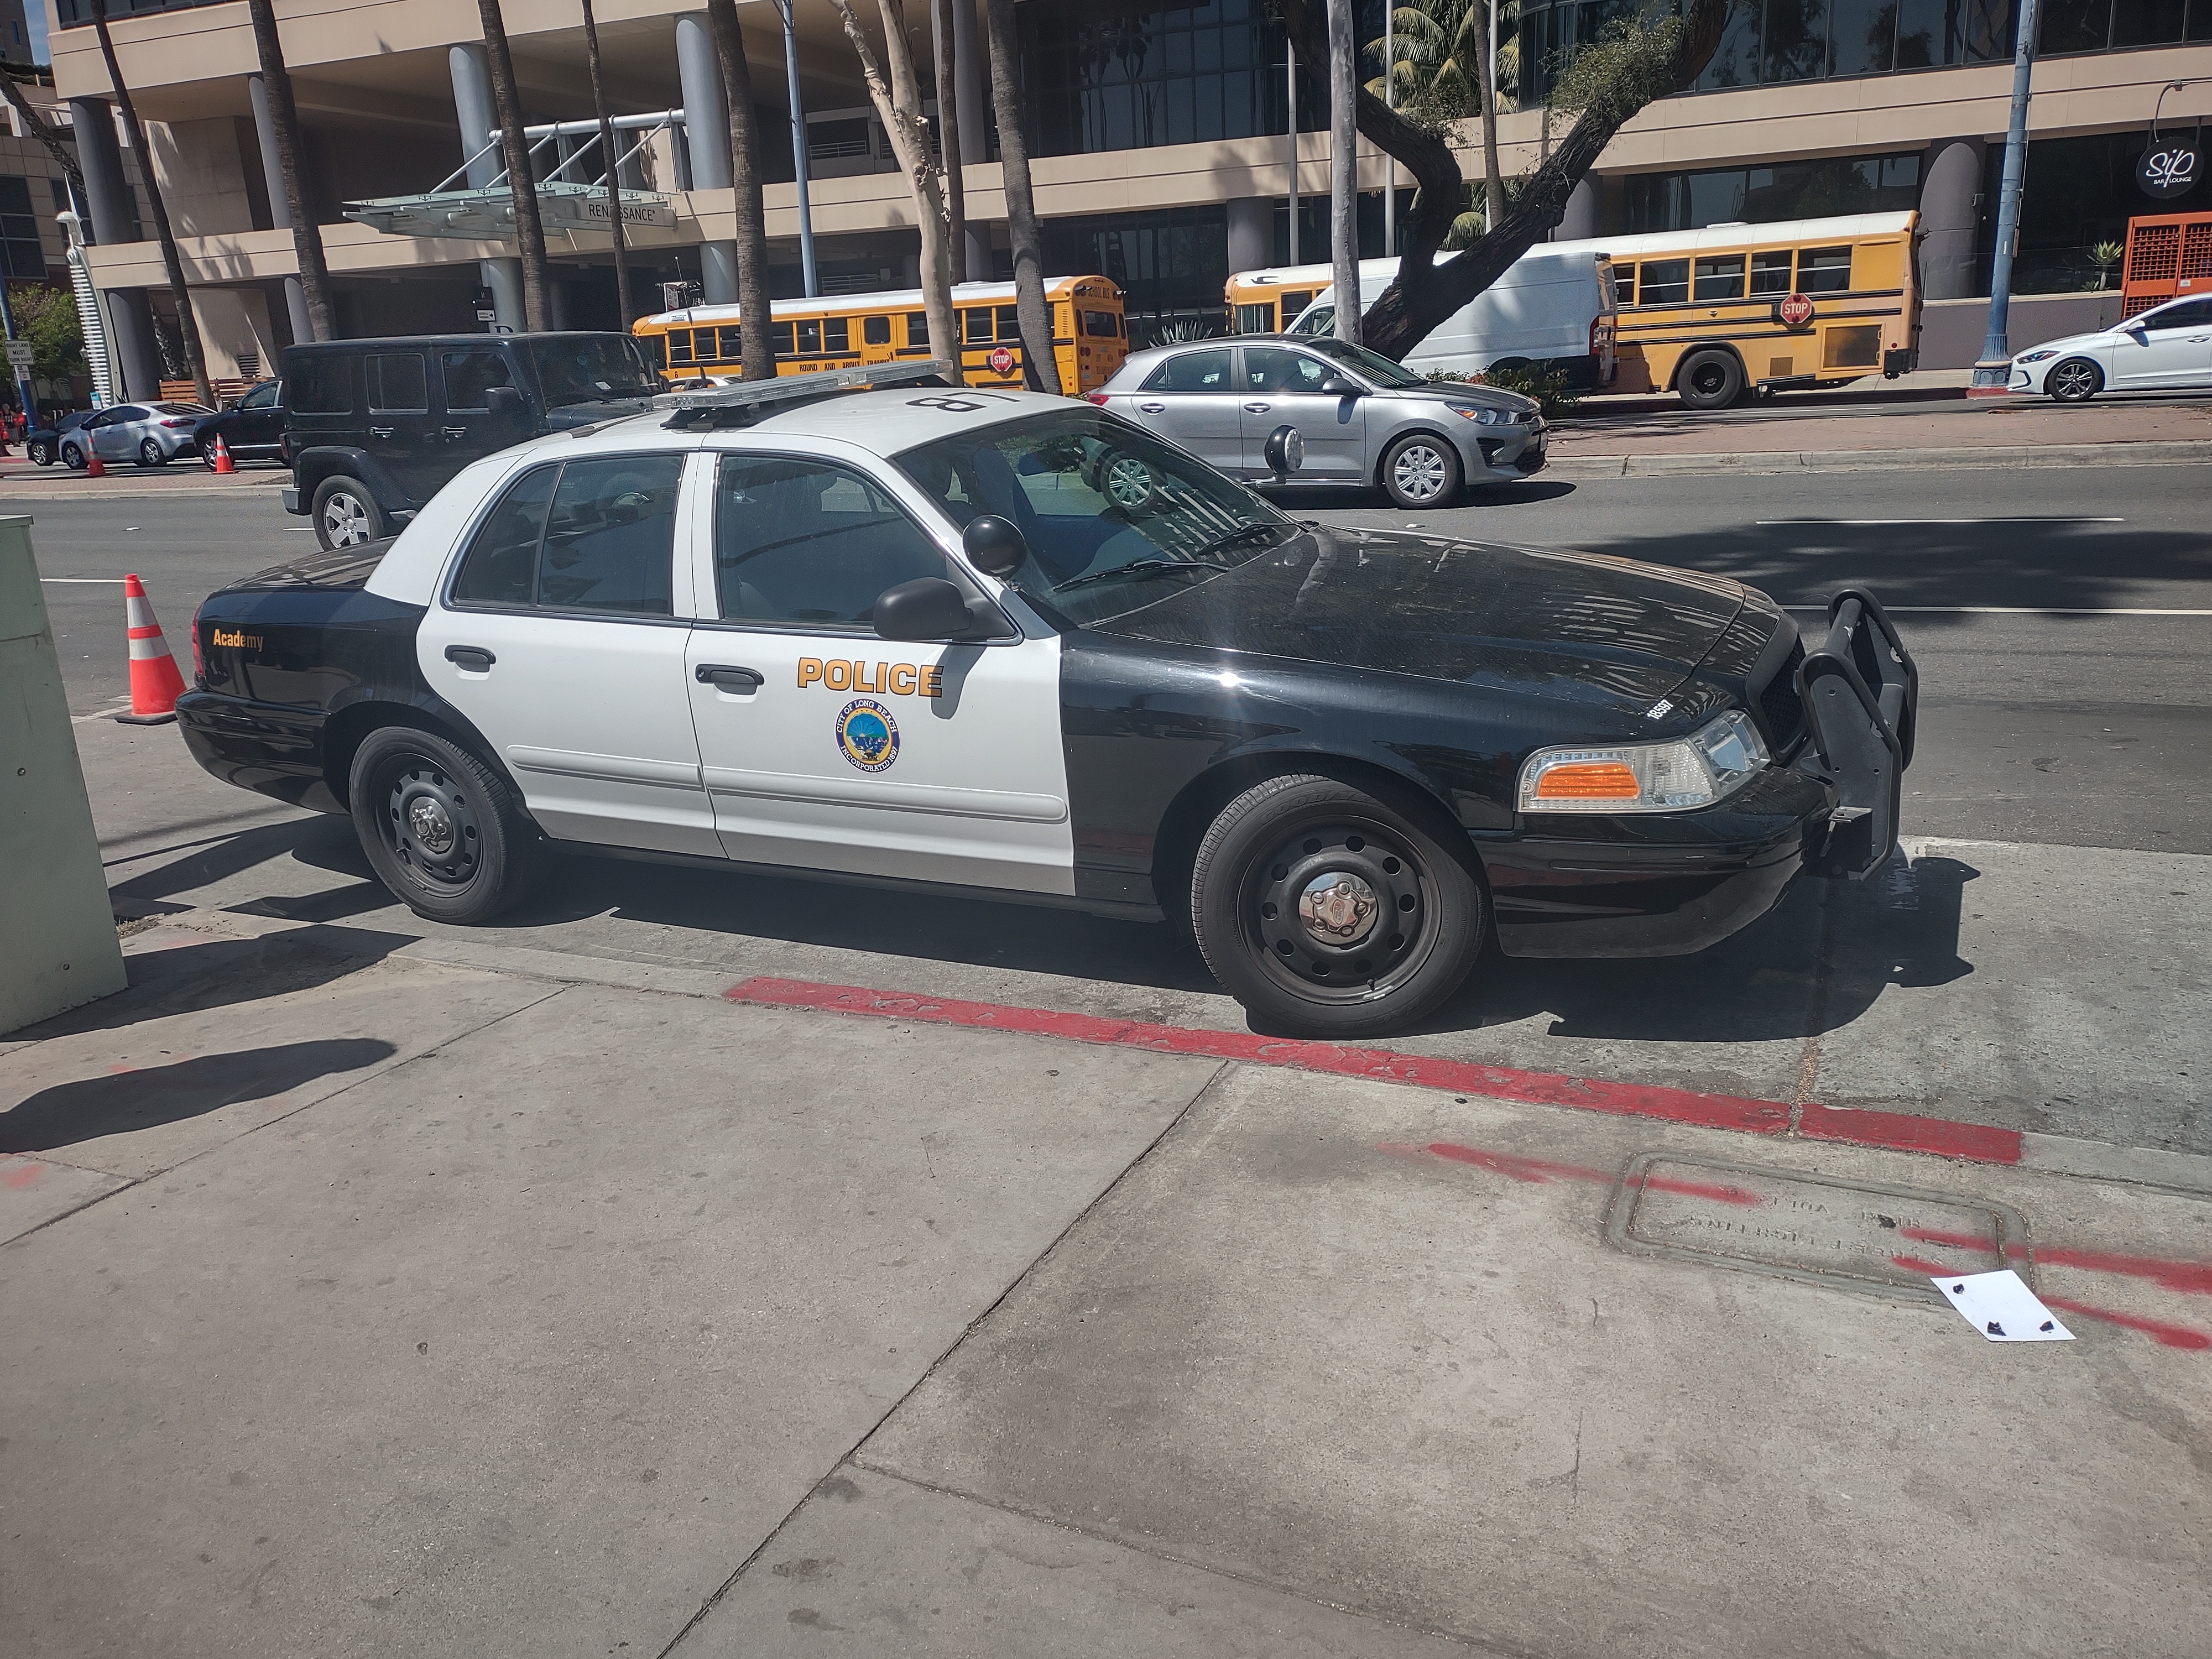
[(1841, 1233)]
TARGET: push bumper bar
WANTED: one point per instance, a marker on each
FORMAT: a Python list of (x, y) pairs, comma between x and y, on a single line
[(1861, 695)]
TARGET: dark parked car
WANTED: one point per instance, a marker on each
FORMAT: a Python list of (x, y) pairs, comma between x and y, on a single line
[(374, 428), (43, 444), (253, 429)]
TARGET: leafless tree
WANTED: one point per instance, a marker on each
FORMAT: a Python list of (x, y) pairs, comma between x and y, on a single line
[(284, 122), (1040, 364), (57, 144), (1343, 172), (188, 325), (755, 320), (522, 184), (607, 153), (948, 135)]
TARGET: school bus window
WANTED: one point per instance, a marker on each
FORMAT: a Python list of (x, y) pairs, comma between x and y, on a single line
[(733, 345), (1010, 323), (810, 337), (1664, 283), (837, 334), (917, 328), (975, 326), (1295, 301), (781, 339), (1823, 270), (1103, 322), (1251, 320), (875, 331), (1720, 276), (679, 345), (1769, 272)]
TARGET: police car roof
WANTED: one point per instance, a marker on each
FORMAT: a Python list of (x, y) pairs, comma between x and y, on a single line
[(898, 419)]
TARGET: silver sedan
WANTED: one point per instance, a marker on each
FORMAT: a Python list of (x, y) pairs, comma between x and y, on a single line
[(1365, 420), (149, 434)]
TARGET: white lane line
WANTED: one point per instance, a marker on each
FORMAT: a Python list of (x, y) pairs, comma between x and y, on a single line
[(89, 581), (1822, 524), (2012, 611)]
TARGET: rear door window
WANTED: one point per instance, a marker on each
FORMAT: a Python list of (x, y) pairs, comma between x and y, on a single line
[(594, 535), (1192, 371), (397, 384), (323, 384)]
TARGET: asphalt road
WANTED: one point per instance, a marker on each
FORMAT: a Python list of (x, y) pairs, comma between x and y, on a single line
[(2058, 706)]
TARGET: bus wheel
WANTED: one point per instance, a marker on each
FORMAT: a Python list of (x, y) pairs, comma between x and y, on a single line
[(1710, 380)]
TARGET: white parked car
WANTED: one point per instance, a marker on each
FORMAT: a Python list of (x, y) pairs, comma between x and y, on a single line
[(2166, 348)]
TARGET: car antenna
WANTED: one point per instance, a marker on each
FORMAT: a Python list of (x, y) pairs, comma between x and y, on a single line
[(754, 400)]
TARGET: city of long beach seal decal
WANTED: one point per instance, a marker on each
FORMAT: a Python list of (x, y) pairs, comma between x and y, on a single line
[(867, 735)]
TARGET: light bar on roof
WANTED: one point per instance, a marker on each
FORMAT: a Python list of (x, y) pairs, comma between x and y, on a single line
[(793, 388)]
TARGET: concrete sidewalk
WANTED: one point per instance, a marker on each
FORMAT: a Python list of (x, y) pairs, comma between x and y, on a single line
[(363, 1304)]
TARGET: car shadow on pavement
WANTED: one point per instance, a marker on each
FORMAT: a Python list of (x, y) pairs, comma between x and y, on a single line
[(1518, 493), (90, 1108)]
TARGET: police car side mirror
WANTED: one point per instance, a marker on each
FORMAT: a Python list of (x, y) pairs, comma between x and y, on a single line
[(1337, 387), (927, 608), (994, 546), (1285, 451), (503, 400)]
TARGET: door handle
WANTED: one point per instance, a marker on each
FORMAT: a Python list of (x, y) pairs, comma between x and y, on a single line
[(474, 659), (382, 431), (1153, 408), (723, 677), (1257, 409), (453, 432)]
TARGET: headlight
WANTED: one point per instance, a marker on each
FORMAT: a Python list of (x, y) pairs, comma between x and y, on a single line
[(2033, 356), (1482, 414), (1709, 765)]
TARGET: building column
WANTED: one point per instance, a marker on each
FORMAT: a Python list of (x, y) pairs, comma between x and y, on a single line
[(114, 223), (1579, 223), (478, 115), (1251, 233), (1950, 191), (280, 208), (971, 102), (707, 136)]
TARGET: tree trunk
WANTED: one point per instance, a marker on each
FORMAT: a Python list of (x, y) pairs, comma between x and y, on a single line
[(1423, 294), (521, 183), (1343, 171), (897, 96), (284, 120), (756, 315), (1493, 177), (948, 135), (607, 153), (1040, 363), (43, 130), (188, 325)]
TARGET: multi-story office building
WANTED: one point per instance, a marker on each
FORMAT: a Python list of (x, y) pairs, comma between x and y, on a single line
[(1159, 134)]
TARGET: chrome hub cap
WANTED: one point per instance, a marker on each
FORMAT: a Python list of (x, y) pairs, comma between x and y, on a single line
[(346, 521), (1337, 909), (1418, 472), (1128, 482)]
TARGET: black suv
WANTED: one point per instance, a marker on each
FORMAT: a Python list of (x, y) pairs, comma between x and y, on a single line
[(375, 427), (251, 429)]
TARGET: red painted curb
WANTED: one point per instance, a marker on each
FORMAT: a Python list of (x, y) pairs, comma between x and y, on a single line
[(1976, 1143)]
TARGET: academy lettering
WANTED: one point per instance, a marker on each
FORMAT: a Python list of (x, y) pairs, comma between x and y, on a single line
[(238, 637), (899, 679)]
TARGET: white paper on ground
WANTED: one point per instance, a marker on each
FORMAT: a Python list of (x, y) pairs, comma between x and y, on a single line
[(2002, 1308)]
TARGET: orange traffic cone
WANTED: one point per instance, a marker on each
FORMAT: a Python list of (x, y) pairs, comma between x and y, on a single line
[(93, 468), (155, 684), (222, 461)]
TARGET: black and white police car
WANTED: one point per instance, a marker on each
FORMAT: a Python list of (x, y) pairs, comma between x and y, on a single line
[(903, 634)]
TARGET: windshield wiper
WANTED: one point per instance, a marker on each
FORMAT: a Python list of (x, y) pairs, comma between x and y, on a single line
[(1249, 533), (1142, 568)]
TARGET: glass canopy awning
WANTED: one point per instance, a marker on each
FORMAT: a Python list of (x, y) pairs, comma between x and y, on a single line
[(567, 204)]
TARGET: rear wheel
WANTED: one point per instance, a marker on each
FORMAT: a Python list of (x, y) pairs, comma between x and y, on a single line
[(438, 826), (1126, 482), (345, 514), (1330, 912), (1710, 380), (2074, 382), (1421, 470)]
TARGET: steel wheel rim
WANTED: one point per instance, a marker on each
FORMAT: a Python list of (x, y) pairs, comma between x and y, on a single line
[(1418, 472), (1379, 953), (150, 453), (1128, 482), (2074, 380), (346, 521), (430, 827), (73, 457)]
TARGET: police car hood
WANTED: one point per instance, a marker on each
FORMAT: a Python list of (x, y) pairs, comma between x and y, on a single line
[(1581, 626)]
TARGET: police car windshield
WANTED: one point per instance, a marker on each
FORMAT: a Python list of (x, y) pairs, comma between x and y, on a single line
[(587, 368), (1115, 518)]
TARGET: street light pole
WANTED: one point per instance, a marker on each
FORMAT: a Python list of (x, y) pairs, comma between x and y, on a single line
[(23, 374), (1994, 371), (1389, 101), (1290, 94)]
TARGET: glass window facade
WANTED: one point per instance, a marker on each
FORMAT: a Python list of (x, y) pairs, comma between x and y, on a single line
[(21, 258), (1171, 267), (1767, 195)]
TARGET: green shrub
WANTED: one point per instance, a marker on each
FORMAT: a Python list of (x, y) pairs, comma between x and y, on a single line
[(1548, 386)]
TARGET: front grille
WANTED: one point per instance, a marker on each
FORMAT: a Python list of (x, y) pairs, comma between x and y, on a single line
[(1781, 711)]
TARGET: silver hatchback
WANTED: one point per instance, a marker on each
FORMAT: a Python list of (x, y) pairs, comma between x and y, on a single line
[(1366, 423)]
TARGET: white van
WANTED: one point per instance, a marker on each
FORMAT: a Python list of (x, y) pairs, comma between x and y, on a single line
[(1549, 310)]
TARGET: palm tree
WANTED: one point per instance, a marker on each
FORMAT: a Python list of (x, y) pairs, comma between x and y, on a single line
[(607, 156), (188, 325), (948, 136), (1441, 50), (521, 183), (1343, 172), (895, 92), (284, 122), (1040, 364), (756, 329)]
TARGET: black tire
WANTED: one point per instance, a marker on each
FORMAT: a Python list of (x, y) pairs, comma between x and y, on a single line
[(1711, 378), (1421, 470), (2074, 380), (41, 454), (73, 458), (150, 454), (1410, 925), (345, 514), (409, 788)]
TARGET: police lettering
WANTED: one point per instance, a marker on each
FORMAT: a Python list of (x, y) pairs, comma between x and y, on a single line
[(900, 679)]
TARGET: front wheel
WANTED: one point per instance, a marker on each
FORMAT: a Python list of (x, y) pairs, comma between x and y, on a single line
[(150, 454), (1330, 912), (345, 514), (2074, 382), (438, 826), (41, 454), (73, 458), (1419, 471)]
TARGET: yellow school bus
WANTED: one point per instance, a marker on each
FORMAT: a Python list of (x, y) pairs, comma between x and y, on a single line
[(1090, 337), (1715, 314), (1268, 302)]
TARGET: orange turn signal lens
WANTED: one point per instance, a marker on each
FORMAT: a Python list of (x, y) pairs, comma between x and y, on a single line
[(1587, 780)]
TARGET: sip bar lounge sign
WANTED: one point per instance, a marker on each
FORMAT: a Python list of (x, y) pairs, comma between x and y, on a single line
[(2168, 169)]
